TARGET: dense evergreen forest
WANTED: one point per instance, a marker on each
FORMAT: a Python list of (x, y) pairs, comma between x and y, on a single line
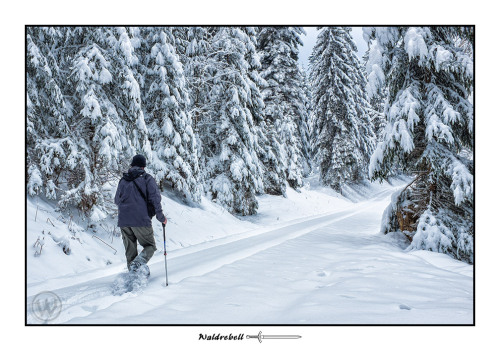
[(228, 113)]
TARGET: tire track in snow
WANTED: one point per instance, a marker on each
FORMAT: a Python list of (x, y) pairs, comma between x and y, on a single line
[(210, 259), (195, 263)]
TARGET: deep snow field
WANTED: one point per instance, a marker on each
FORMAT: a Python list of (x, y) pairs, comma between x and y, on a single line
[(314, 257)]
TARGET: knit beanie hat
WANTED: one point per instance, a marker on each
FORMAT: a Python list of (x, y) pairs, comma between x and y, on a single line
[(139, 161)]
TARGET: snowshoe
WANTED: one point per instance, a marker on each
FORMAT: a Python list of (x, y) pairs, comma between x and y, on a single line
[(143, 270), (134, 280)]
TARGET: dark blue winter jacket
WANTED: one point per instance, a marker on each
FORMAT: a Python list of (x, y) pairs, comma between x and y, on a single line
[(132, 209)]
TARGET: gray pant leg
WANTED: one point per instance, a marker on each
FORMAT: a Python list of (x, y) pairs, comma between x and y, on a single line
[(146, 238), (130, 243)]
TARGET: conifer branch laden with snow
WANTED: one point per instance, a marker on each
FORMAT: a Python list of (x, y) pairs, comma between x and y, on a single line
[(428, 72)]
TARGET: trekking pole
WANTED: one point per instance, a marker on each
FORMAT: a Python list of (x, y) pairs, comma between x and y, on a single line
[(165, 254)]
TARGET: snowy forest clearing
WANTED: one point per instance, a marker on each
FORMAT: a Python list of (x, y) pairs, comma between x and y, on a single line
[(329, 268)]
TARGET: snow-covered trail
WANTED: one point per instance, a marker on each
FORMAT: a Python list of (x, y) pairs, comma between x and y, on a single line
[(326, 269)]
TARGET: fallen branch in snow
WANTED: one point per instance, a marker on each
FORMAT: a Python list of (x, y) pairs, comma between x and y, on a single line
[(40, 244), (49, 221), (105, 243)]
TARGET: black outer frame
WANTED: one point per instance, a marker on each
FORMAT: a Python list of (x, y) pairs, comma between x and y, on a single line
[(244, 325)]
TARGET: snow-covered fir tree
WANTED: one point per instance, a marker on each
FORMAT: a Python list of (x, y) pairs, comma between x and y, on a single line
[(166, 102), (304, 121), (429, 123), (48, 142), (199, 68), (104, 119), (129, 94), (100, 133), (220, 65), (343, 129), (284, 110), (376, 97), (226, 127)]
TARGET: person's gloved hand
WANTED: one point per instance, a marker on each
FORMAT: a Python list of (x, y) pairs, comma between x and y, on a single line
[(165, 223)]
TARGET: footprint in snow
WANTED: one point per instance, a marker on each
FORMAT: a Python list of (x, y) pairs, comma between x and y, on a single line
[(322, 273), (404, 307)]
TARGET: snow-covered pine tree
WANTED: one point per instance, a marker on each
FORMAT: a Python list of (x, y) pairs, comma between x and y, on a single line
[(118, 45), (128, 92), (429, 122), (49, 144), (344, 131), (270, 151), (376, 97), (271, 182), (95, 131), (284, 100), (181, 42), (304, 121), (107, 120), (227, 128), (166, 101), (199, 68), (203, 71)]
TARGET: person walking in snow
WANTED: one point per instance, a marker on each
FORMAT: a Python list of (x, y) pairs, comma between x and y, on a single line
[(138, 199)]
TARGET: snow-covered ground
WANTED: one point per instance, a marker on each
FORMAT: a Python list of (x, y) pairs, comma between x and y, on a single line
[(314, 257)]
